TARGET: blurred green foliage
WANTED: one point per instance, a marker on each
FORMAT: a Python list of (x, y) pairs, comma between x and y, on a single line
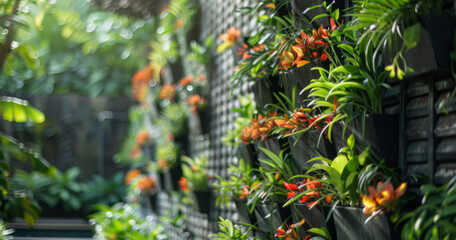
[(70, 46)]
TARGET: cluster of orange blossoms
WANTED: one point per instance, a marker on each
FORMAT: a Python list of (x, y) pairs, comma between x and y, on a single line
[(167, 91), (146, 184), (244, 51), (259, 128), (135, 152), (307, 48), (196, 102), (179, 24), (140, 82), (142, 137), (232, 35), (312, 186), (183, 184), (383, 198), (290, 233), (131, 174), (183, 82)]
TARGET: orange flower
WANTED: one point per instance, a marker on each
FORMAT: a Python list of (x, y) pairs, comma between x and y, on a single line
[(196, 102), (271, 5), (280, 233), (131, 174), (140, 82), (201, 77), (146, 184), (259, 128), (135, 152), (179, 24), (142, 137), (168, 91), (231, 35), (162, 163), (383, 198), (245, 192), (183, 184), (186, 80)]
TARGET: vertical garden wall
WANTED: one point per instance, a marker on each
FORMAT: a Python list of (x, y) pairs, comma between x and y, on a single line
[(293, 119)]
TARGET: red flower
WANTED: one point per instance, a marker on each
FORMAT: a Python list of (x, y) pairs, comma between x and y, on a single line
[(290, 195), (183, 184), (324, 56), (290, 186)]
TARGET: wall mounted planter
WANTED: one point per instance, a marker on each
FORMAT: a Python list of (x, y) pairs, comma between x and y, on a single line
[(249, 153), (203, 201), (432, 53), (305, 148), (171, 178), (272, 144), (263, 91), (350, 224), (381, 134), (301, 77), (244, 215)]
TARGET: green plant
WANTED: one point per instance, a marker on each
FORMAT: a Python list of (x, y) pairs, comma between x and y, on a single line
[(194, 170), (274, 170), (247, 112), (338, 178), (175, 114), (66, 188), (350, 88), (105, 191), (435, 218), (5, 232), (14, 202), (124, 221), (382, 23), (260, 52), (229, 231), (238, 184)]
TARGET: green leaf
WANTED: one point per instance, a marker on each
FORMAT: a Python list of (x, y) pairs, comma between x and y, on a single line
[(224, 46), (17, 110), (351, 142), (362, 158), (412, 35), (339, 163), (321, 231)]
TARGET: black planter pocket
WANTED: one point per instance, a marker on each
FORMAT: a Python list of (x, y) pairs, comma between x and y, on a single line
[(202, 118), (303, 17), (268, 216), (162, 181), (244, 215), (432, 53), (381, 133), (263, 90), (301, 78), (172, 177), (248, 153), (350, 224), (314, 217), (272, 144), (305, 148), (203, 201), (153, 202)]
